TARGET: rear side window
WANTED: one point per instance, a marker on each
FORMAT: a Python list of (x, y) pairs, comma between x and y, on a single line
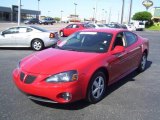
[(131, 38)]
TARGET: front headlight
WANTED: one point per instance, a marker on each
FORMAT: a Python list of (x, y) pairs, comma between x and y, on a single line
[(68, 76)]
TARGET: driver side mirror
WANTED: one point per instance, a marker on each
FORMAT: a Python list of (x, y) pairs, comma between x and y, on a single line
[(118, 49)]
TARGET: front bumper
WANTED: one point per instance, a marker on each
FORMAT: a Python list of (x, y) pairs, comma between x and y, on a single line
[(43, 91)]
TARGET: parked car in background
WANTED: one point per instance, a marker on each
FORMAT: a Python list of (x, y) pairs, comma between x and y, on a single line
[(94, 25), (117, 25), (130, 27), (47, 21), (27, 36), (32, 21), (71, 28), (138, 25), (81, 66)]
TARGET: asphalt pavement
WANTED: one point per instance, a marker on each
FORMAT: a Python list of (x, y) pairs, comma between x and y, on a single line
[(136, 97)]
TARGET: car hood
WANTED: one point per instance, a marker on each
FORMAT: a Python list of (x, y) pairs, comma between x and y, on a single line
[(53, 61)]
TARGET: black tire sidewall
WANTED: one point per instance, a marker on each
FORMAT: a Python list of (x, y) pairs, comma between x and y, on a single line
[(140, 65), (90, 97)]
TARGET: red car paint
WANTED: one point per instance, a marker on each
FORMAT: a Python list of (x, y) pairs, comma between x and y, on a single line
[(72, 28), (117, 63)]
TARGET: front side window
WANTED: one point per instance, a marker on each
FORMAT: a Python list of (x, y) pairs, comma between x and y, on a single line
[(130, 38), (22, 30), (69, 26), (87, 42), (11, 31)]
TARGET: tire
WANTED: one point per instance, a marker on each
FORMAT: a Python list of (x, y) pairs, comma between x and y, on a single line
[(143, 62), (61, 33), (37, 44), (96, 88)]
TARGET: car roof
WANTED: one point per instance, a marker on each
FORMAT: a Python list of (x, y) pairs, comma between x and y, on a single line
[(107, 30)]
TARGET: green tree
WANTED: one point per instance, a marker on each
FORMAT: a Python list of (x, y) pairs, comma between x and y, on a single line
[(57, 19), (142, 16)]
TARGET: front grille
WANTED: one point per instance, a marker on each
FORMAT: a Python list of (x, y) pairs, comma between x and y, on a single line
[(22, 76), (29, 79)]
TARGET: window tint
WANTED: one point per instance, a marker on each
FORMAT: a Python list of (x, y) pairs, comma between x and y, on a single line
[(141, 23), (11, 31), (38, 28), (119, 41), (75, 26), (29, 29), (130, 38), (87, 42), (69, 26)]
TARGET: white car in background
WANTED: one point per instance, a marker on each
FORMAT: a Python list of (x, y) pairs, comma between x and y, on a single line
[(138, 25), (97, 25), (27, 36), (130, 27)]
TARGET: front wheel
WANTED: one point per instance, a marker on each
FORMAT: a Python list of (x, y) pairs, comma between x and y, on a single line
[(37, 45), (97, 87), (143, 62)]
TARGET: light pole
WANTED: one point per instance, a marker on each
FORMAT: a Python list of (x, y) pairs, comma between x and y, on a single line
[(122, 11), (49, 13), (130, 11), (38, 5), (96, 7), (94, 14), (75, 9), (105, 16), (19, 12), (61, 15), (102, 15)]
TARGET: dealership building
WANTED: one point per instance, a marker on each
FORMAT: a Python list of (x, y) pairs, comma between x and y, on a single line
[(11, 14), (156, 14)]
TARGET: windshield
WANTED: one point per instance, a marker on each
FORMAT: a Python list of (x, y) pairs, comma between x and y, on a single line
[(87, 42)]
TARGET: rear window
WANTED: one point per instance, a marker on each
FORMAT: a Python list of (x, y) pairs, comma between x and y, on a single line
[(141, 23), (40, 29)]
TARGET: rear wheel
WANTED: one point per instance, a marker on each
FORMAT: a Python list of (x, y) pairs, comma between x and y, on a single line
[(142, 65), (97, 87), (37, 44)]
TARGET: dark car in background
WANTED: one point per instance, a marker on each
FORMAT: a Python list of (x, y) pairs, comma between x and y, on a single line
[(32, 21), (47, 21)]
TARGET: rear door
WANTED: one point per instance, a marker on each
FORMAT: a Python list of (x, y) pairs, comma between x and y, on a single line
[(133, 49), (23, 39)]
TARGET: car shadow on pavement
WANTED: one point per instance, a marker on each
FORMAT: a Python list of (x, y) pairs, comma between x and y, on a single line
[(82, 103), (19, 48)]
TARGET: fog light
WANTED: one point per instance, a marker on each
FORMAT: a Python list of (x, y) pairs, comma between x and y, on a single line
[(66, 96)]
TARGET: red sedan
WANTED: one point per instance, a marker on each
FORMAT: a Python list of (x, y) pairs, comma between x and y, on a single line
[(71, 28), (81, 66)]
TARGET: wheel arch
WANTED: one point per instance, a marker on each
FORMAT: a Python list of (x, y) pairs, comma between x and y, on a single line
[(36, 39), (146, 52), (106, 73)]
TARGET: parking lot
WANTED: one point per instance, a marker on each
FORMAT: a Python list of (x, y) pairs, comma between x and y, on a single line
[(136, 97)]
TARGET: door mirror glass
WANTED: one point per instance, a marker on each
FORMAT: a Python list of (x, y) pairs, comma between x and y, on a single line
[(118, 49)]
